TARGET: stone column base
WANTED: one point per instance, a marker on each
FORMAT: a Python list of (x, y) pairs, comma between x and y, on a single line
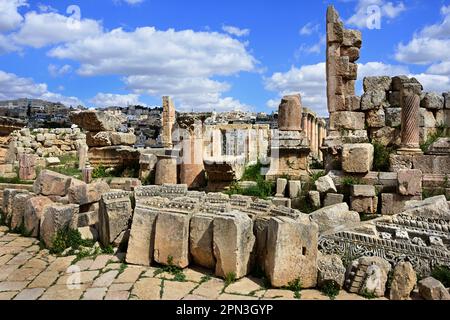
[(409, 151)]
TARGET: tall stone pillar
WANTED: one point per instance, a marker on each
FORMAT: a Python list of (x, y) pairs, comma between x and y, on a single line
[(410, 105), (192, 170), (27, 166), (290, 113), (168, 120)]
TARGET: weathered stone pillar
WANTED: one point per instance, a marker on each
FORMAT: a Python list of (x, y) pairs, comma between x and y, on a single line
[(82, 153), (304, 122), (192, 170), (290, 113), (410, 105), (27, 166), (168, 120), (86, 173), (166, 170)]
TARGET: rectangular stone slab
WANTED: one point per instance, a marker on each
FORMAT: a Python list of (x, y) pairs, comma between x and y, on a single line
[(142, 236), (172, 238), (201, 240)]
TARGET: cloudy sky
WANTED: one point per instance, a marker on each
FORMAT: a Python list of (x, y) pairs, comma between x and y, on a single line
[(208, 55)]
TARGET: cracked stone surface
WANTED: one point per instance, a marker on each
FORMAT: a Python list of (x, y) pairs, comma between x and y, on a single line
[(30, 273)]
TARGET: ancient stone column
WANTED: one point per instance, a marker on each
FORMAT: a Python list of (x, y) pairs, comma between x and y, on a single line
[(86, 173), (410, 105), (27, 166), (192, 170), (82, 155), (304, 122), (166, 170), (168, 120), (290, 113)]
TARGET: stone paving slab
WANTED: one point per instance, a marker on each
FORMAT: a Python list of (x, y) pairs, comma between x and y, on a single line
[(30, 273)]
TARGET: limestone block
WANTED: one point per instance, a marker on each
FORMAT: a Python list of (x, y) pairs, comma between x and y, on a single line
[(352, 38), (446, 96), (56, 217), (373, 100), (260, 229), (314, 197), (427, 119), (352, 103), (50, 183), (333, 217), (86, 219), (295, 188), (363, 191), (34, 209), (403, 281), (115, 212), (201, 240), (433, 208), (352, 53), (52, 161), (88, 233), (382, 83), (233, 242), (332, 199), (393, 203), (386, 136), (142, 236), (83, 193), (398, 162), (432, 289), (291, 252), (330, 269), (95, 121), (18, 209), (347, 120), (281, 187), (335, 33), (367, 205), (376, 118), (357, 158), (394, 99), (443, 117), (172, 239), (430, 164), (110, 138), (325, 184), (433, 101), (8, 200), (410, 182)]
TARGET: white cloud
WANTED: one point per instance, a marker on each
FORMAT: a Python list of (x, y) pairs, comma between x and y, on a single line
[(10, 18), (432, 82), (310, 49), (56, 71), (6, 45), (235, 31), (46, 8), (309, 28), (132, 2), (42, 29), (370, 69), (308, 80), (14, 87), (388, 10), (429, 46), (176, 63), (116, 100)]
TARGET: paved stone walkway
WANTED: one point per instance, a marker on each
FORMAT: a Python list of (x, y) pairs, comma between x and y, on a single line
[(28, 273)]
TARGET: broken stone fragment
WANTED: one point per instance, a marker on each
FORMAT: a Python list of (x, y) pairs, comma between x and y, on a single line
[(330, 269), (403, 281), (83, 193), (382, 83), (50, 183), (325, 184), (56, 217), (410, 182), (357, 158), (433, 208), (432, 101), (115, 213), (432, 289), (34, 209), (333, 217), (95, 121)]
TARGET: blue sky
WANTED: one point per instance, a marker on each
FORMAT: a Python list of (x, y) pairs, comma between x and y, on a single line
[(220, 55)]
